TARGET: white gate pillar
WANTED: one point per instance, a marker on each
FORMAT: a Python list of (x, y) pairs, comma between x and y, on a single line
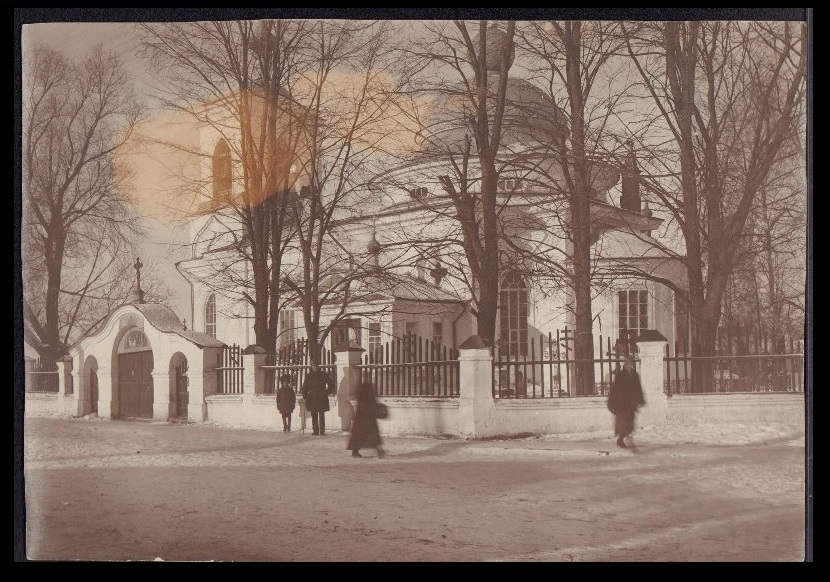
[(652, 347), (161, 396), (107, 404), (476, 406)]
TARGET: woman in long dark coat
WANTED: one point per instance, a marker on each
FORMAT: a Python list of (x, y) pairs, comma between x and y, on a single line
[(365, 432), (624, 398)]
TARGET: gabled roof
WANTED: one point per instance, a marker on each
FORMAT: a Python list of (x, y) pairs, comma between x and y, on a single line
[(407, 288), (164, 319)]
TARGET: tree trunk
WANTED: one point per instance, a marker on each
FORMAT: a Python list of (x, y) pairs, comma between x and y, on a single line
[(489, 278), (580, 203), (51, 345)]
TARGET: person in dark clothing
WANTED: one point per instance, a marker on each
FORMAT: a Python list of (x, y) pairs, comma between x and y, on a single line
[(624, 398), (316, 390), (365, 433), (286, 400)]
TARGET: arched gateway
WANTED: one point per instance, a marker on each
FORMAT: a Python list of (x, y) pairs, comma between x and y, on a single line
[(135, 375), (144, 364)]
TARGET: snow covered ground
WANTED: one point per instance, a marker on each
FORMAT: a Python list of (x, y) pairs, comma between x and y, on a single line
[(701, 434)]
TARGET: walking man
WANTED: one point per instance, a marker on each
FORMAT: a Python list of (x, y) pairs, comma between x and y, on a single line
[(624, 398)]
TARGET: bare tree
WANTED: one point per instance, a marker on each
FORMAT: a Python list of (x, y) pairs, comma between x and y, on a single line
[(465, 75), (233, 78), (346, 90), (77, 225), (729, 103), (766, 292), (574, 57), (300, 105)]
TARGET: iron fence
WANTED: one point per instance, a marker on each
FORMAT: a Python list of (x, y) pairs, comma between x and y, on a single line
[(293, 359), (548, 368), (719, 374), (229, 370), (42, 375), (412, 366)]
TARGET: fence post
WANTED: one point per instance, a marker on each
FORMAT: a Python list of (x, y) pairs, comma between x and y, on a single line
[(348, 379), (65, 386), (253, 376), (652, 347), (475, 374)]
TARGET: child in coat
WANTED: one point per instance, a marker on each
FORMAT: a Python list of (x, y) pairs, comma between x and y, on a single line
[(286, 400)]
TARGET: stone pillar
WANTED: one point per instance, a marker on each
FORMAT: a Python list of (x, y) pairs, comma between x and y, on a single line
[(67, 394), (161, 396), (201, 381), (348, 379), (81, 405), (476, 406), (652, 347), (107, 406), (253, 376)]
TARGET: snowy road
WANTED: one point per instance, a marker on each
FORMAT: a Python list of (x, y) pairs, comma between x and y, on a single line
[(101, 490)]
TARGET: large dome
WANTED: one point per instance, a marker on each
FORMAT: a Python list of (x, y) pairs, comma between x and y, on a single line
[(530, 116)]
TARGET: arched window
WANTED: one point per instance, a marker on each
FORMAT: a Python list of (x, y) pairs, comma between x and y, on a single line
[(222, 171), (513, 315), (210, 315)]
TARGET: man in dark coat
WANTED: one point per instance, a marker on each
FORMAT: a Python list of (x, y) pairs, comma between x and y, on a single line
[(316, 390), (365, 433), (624, 398)]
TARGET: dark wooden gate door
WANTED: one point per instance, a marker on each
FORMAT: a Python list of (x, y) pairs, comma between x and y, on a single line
[(135, 385), (181, 390), (93, 390)]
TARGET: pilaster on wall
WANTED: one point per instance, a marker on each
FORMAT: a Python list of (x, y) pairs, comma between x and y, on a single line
[(476, 406), (201, 382), (652, 348), (348, 379), (107, 407), (161, 396)]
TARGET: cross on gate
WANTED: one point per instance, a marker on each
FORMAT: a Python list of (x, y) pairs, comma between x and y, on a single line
[(137, 267)]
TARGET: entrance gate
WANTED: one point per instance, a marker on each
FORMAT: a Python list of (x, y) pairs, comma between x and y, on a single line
[(135, 376), (93, 390)]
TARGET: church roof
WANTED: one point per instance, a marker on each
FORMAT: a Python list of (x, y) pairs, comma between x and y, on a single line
[(164, 319), (411, 288), (402, 287)]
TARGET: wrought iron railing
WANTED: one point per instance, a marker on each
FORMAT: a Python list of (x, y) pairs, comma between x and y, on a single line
[(548, 368), (412, 366), (687, 374), (229, 370), (41, 375)]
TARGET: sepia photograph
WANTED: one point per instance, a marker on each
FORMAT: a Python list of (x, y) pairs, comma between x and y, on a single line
[(413, 286)]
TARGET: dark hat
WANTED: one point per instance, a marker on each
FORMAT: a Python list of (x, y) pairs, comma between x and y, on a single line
[(285, 378)]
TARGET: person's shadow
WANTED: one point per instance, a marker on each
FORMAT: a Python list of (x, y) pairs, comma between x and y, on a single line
[(438, 450)]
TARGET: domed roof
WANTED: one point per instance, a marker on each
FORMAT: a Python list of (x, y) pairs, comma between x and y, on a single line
[(530, 116)]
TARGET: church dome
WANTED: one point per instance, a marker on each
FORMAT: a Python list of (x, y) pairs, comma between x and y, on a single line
[(530, 116)]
